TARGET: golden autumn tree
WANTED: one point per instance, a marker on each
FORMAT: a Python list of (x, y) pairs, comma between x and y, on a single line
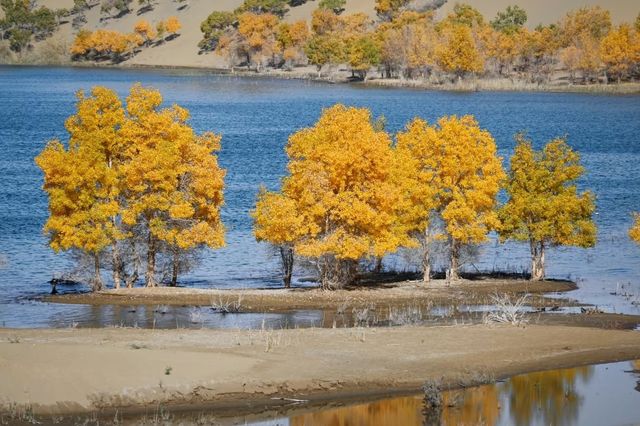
[(172, 179), (145, 30), (468, 175), (458, 53), (544, 207), (634, 232), (291, 40), (276, 221), (619, 51), (172, 25), (416, 174), (82, 180), (257, 36), (340, 181)]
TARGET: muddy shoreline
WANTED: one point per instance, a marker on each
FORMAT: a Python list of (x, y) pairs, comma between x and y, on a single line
[(416, 293), (240, 371)]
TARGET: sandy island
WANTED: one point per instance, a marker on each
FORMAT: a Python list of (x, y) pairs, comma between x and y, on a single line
[(233, 371), (437, 292)]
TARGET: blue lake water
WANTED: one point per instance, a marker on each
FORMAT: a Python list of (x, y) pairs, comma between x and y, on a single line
[(255, 117)]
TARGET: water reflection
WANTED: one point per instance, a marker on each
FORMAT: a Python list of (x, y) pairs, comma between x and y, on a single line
[(592, 395), (552, 395)]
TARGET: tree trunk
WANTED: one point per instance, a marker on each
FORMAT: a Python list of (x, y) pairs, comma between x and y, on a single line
[(454, 263), (426, 258), (175, 268), (537, 261), (378, 267), (97, 279), (336, 273), (426, 265), (286, 256), (115, 255), (150, 279)]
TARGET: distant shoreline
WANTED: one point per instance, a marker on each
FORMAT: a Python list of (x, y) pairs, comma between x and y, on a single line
[(468, 85)]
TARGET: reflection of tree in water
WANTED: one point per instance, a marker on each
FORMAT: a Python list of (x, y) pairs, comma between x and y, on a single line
[(549, 395), (552, 394), (471, 406), (398, 411)]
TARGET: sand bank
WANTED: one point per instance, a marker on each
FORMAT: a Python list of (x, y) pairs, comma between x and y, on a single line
[(88, 370)]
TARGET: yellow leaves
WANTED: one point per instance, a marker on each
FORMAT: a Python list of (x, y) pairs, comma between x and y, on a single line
[(338, 197), (634, 232), (349, 194), (145, 30), (259, 31), (102, 42), (172, 25), (457, 162), (458, 52), (620, 50), (140, 167), (544, 205), (276, 219)]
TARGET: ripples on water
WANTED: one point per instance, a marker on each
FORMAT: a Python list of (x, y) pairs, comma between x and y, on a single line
[(255, 117)]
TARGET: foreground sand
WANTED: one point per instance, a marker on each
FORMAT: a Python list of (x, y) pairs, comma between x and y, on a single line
[(84, 370)]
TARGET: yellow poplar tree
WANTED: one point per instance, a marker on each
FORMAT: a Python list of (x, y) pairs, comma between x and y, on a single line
[(174, 184), (416, 174), (82, 180), (277, 221), (458, 53), (544, 207), (145, 30), (618, 51), (340, 180), (468, 177)]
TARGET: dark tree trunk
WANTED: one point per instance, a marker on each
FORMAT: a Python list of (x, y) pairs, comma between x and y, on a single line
[(175, 267), (96, 284), (378, 267), (287, 259)]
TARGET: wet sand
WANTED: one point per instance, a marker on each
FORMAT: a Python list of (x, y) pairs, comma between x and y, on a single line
[(89, 370), (437, 292)]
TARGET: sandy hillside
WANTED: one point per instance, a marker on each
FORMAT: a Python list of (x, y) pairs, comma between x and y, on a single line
[(85, 369), (183, 51), (549, 11)]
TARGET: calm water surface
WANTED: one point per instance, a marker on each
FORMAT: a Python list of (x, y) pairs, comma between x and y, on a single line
[(255, 117)]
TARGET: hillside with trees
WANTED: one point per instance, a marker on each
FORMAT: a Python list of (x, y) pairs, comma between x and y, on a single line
[(432, 43)]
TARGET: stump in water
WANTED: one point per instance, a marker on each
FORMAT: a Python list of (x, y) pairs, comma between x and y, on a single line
[(432, 402)]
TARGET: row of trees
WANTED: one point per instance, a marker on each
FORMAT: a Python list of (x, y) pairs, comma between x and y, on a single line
[(133, 180), (352, 194), (409, 43), (116, 46)]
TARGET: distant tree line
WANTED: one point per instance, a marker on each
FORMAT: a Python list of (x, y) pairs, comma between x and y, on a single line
[(406, 41)]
